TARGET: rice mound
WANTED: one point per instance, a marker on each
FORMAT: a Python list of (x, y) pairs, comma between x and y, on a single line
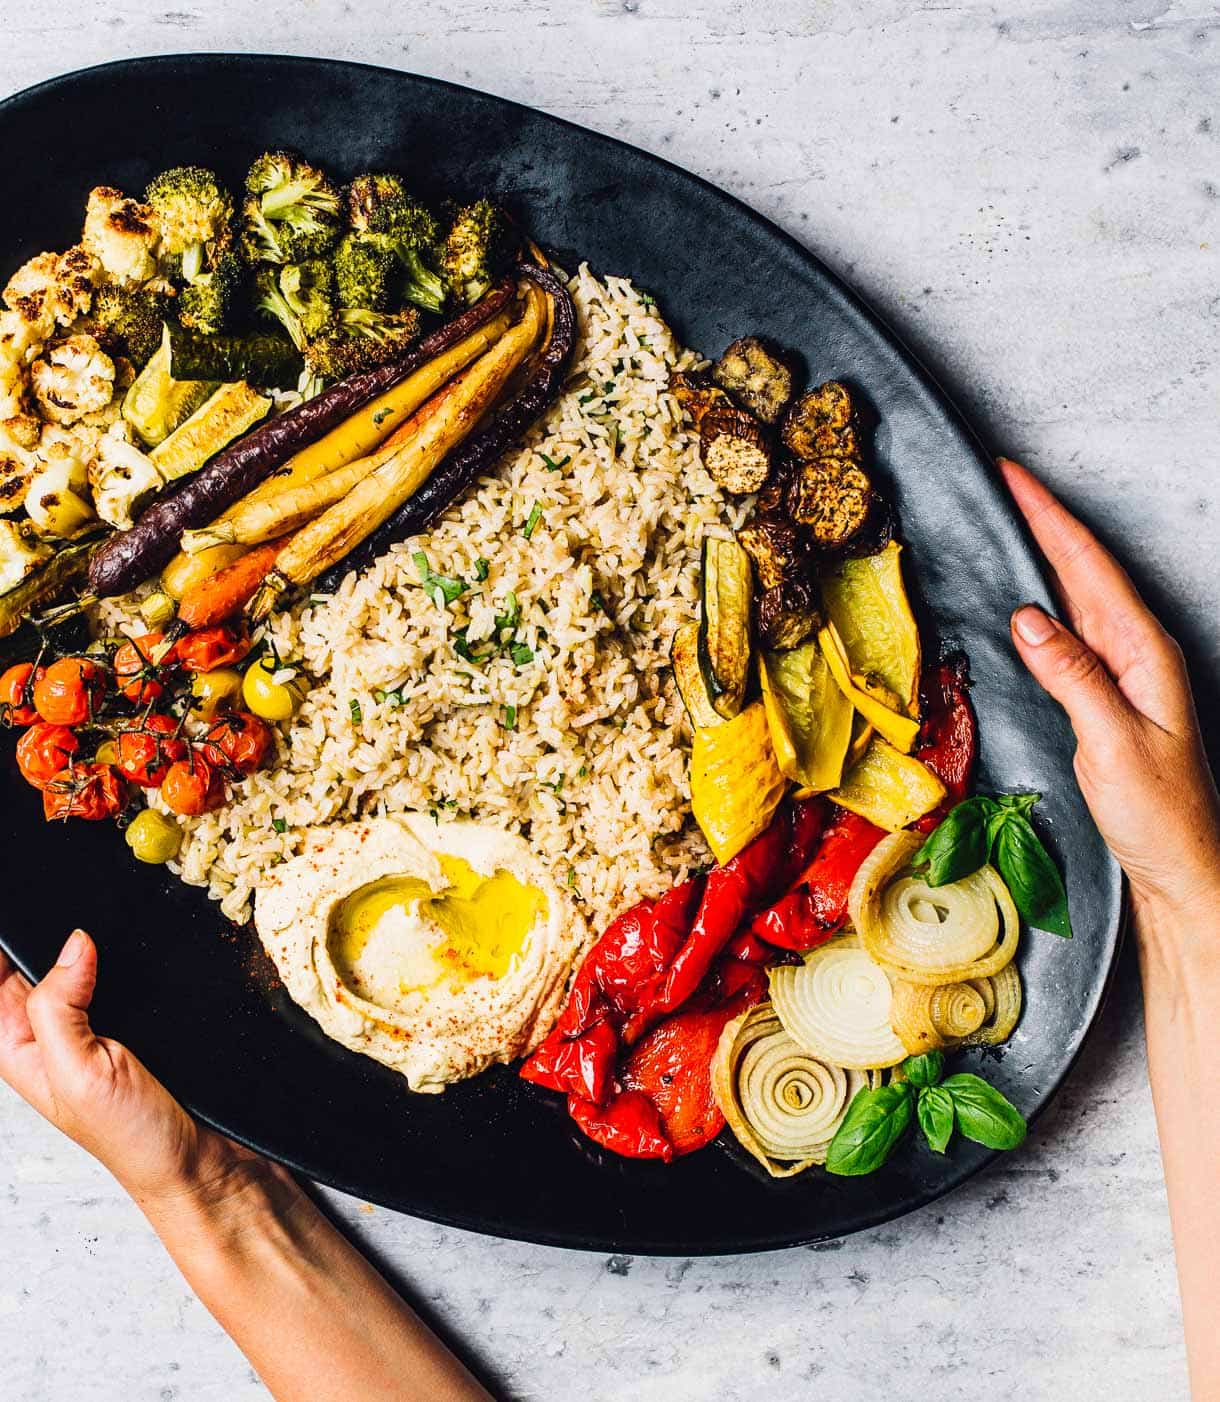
[(594, 526)]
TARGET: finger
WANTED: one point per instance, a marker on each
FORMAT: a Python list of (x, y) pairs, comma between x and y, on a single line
[(58, 1009), (20, 1059), (1071, 673), (1103, 605)]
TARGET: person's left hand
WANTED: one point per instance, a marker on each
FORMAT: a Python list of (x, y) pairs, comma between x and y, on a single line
[(99, 1093)]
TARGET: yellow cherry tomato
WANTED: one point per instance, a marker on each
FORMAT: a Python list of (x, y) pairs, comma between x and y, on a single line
[(215, 690), (267, 698), (153, 838), (106, 753)]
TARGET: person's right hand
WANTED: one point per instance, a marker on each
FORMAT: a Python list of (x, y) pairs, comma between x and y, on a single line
[(102, 1095), (1121, 679)]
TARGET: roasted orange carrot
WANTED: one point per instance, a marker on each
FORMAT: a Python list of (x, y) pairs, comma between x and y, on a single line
[(226, 592)]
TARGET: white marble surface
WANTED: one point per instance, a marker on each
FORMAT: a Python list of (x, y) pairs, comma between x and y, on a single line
[(1030, 193)]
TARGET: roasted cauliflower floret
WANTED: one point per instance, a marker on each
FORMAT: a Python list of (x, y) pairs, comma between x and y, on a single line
[(756, 377), (122, 479), (56, 500), (17, 466), (19, 343), (54, 288), (121, 234), (21, 552), (831, 497), (72, 378), (734, 449)]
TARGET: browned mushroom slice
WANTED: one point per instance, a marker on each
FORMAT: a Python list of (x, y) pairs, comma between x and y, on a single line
[(787, 615), (770, 501), (831, 497), (696, 394), (774, 544), (735, 450), (821, 422), (756, 377)]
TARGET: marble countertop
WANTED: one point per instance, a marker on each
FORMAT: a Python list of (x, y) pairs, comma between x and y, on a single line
[(1034, 203)]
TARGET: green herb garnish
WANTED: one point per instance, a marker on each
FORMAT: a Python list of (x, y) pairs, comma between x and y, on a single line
[(597, 603), (357, 714), (512, 614), (440, 588), (555, 466), (999, 830), (510, 718), (482, 568), (381, 416), (279, 824), (521, 654), (531, 524)]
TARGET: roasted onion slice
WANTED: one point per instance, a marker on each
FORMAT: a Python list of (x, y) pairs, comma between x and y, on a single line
[(782, 1104), (836, 1006), (925, 934)]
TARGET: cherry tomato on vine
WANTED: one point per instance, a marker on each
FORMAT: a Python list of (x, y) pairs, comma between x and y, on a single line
[(90, 791), (212, 647), (191, 786), (145, 751), (137, 667), (239, 742), (43, 751), (70, 690), (17, 695)]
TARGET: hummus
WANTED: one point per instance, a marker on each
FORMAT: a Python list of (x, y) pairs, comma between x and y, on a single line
[(437, 949)]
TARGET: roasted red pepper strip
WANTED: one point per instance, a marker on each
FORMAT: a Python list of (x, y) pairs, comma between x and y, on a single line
[(791, 923), (948, 738), (582, 1065), (629, 1125), (848, 840)]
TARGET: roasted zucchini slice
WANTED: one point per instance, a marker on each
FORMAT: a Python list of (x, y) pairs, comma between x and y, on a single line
[(735, 449), (156, 403), (724, 629), (684, 658), (233, 410), (823, 415), (756, 377)]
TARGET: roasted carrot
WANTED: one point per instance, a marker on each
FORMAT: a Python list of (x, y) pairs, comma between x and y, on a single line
[(226, 592)]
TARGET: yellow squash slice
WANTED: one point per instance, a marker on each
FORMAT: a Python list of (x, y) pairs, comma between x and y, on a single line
[(735, 782), (867, 602), (889, 788), (874, 702), (810, 718)]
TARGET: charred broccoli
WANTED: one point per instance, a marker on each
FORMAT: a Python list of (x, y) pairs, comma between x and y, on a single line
[(207, 303), (474, 250), (358, 339), (363, 270), (301, 297), (129, 321), (292, 210), (194, 217), (386, 217)]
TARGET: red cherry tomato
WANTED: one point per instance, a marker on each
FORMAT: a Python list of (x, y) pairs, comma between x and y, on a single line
[(70, 690), (43, 751), (90, 791), (145, 752), (17, 695), (138, 665), (212, 647), (239, 741), (191, 786)]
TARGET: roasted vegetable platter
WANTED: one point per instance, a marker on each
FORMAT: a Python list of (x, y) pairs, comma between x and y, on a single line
[(866, 443)]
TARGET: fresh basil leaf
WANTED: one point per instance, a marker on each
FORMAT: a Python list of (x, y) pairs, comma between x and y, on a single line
[(875, 1121), (924, 1070), (982, 1113), (1032, 876), (1018, 802), (958, 845), (935, 1111)]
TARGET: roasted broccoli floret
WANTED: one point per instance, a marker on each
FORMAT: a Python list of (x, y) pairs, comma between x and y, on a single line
[(206, 303), (385, 216), (292, 211), (358, 339), (363, 272), (194, 217), (129, 321), (301, 297), (475, 249)]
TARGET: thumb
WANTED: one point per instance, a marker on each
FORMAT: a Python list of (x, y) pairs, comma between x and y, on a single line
[(1070, 672), (58, 1007)]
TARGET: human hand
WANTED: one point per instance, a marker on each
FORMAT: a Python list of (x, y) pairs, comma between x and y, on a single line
[(1122, 681), (100, 1094)]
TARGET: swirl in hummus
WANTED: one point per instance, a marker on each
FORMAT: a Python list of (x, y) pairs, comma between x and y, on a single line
[(437, 949)]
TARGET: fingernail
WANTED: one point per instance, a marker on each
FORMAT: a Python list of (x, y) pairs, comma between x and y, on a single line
[(1032, 625), (73, 950)]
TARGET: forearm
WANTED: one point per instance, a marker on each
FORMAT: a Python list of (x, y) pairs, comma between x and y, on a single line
[(1180, 966), (312, 1316)]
